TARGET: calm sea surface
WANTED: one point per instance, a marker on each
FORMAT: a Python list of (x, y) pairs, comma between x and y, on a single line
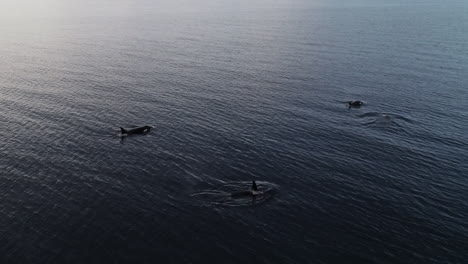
[(235, 91)]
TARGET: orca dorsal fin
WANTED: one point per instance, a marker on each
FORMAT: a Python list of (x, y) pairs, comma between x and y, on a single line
[(254, 186), (123, 130)]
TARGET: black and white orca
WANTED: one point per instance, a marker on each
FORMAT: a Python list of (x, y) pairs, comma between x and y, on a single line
[(136, 131), (356, 103)]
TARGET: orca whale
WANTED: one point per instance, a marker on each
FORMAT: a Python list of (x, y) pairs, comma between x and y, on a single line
[(135, 131), (238, 194), (356, 103), (248, 193)]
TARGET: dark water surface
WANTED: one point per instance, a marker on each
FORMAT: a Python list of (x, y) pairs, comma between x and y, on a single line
[(235, 91)]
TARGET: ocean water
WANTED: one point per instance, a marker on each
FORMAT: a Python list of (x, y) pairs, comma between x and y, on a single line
[(235, 91)]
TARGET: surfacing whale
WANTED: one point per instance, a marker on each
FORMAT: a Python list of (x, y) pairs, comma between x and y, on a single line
[(136, 131), (235, 194), (355, 103), (248, 193)]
